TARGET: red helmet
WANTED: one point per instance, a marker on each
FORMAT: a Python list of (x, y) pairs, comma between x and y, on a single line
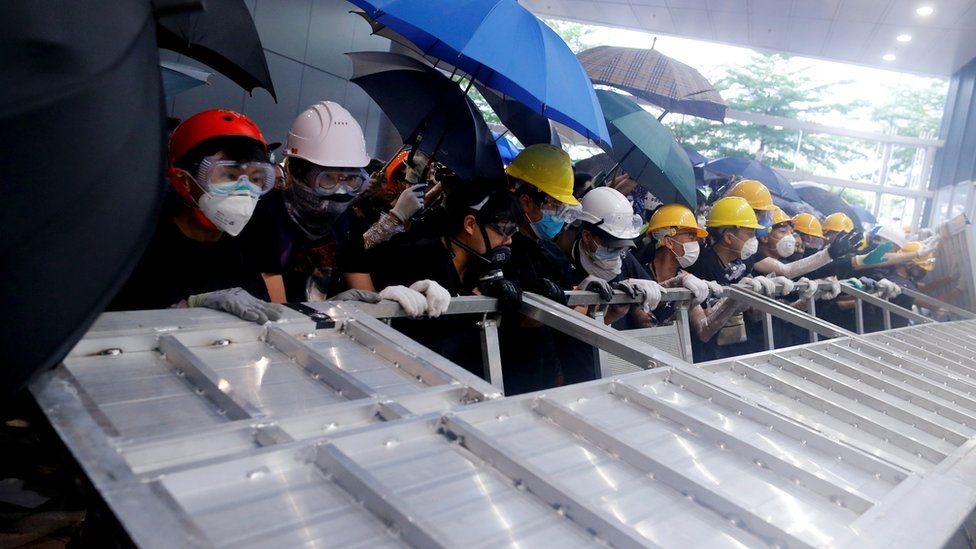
[(208, 124)]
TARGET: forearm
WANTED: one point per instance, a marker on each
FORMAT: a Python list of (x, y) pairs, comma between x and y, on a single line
[(795, 269)]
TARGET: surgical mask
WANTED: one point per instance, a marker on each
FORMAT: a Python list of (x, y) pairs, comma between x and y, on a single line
[(786, 246), (749, 248), (228, 213), (548, 226), (607, 268), (691, 252)]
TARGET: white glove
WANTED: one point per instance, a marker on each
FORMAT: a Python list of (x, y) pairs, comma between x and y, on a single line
[(751, 284), (888, 288), (651, 202), (833, 292), (414, 172), (788, 285), (806, 287), (648, 289), (714, 287), (413, 302), (698, 288), (410, 201), (438, 298)]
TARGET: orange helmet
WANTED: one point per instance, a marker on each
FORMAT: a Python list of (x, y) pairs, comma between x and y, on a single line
[(394, 170)]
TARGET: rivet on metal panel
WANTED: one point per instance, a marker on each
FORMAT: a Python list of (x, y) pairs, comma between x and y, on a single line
[(180, 372), (390, 443), (221, 411), (221, 343), (330, 426), (257, 473), (114, 351), (310, 335)]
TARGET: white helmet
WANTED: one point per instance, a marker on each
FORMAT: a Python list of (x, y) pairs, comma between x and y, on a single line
[(893, 234), (327, 135), (611, 212)]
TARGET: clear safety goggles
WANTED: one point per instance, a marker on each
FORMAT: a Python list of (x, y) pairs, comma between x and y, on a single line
[(226, 177), (562, 212), (504, 228), (765, 218), (622, 223), (327, 181)]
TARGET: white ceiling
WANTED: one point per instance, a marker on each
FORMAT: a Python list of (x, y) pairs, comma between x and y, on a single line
[(850, 31)]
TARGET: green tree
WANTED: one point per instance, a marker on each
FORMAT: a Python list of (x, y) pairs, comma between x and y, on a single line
[(911, 110), (574, 34), (766, 84)]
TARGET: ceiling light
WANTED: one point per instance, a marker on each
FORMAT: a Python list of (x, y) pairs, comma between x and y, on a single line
[(924, 10), (904, 38), (889, 57)]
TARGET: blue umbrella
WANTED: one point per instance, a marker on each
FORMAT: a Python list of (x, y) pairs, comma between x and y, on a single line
[(544, 75), (506, 148), (177, 78), (748, 168)]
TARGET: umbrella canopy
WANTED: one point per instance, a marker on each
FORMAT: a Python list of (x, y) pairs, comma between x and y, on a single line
[(827, 203), (696, 158), (655, 78), (424, 104), (525, 124), (645, 149), (177, 78), (748, 168), (543, 74), (83, 164), (506, 148), (223, 37)]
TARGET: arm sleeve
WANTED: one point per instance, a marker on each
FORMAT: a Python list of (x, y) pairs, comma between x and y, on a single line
[(793, 270), (381, 231)]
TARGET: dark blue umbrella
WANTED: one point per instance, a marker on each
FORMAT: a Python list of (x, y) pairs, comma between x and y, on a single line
[(697, 158), (747, 168), (479, 38), (178, 78), (528, 126)]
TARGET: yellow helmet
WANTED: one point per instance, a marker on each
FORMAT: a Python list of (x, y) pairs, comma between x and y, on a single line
[(755, 193), (838, 222), (779, 216), (926, 263), (547, 168), (675, 215), (808, 224), (732, 211)]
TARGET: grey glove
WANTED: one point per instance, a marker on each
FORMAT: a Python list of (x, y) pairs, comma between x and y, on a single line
[(598, 285), (239, 303), (365, 296)]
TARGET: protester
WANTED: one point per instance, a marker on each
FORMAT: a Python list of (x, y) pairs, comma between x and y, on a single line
[(218, 169)]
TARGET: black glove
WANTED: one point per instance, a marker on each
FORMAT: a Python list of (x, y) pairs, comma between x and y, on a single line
[(870, 284), (508, 293), (550, 290), (844, 244)]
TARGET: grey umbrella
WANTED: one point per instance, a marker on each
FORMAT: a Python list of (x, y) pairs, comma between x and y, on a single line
[(655, 78)]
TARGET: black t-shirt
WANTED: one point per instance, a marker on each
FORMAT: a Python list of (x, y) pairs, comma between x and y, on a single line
[(710, 267), (174, 267), (533, 260)]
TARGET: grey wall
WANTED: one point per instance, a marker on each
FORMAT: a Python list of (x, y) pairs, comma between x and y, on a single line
[(305, 42), (956, 161)]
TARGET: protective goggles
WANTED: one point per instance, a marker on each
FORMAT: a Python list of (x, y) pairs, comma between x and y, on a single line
[(622, 224), (562, 212), (226, 177), (504, 228), (328, 181)]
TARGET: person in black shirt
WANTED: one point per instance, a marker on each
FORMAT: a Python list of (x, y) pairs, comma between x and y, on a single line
[(218, 168)]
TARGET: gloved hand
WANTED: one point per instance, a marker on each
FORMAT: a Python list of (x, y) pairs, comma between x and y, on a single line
[(413, 302), (438, 298), (806, 287), (844, 244), (787, 284), (751, 284), (926, 249), (507, 292), (414, 171), (833, 292), (239, 303), (714, 287), (768, 288), (888, 289), (648, 289), (598, 285), (855, 283), (364, 296), (550, 290), (699, 288), (410, 201), (877, 256), (868, 284), (651, 202)]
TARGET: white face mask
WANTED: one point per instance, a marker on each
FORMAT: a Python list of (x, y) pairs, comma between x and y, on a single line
[(749, 248), (692, 250), (607, 269), (228, 213), (786, 246)]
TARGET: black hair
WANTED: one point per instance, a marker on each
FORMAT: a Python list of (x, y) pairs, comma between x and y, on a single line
[(532, 192), (234, 147), (580, 179), (500, 206)]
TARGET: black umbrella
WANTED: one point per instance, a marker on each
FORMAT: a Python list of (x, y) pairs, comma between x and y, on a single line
[(82, 165), (527, 125), (827, 203), (425, 105), (223, 37)]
